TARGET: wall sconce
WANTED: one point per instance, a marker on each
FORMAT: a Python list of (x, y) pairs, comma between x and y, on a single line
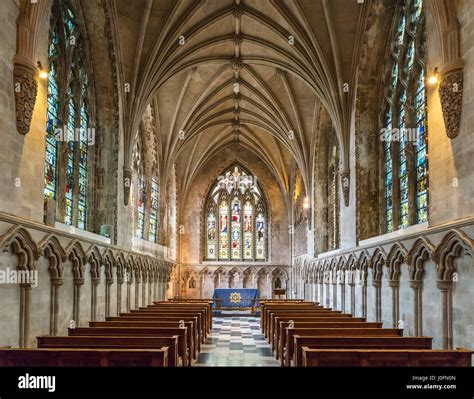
[(43, 73), (434, 78)]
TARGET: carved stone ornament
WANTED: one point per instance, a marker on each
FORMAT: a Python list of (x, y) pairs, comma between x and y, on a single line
[(450, 93), (25, 88), (127, 183), (345, 183)]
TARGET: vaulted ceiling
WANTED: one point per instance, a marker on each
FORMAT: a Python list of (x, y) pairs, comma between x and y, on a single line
[(246, 73)]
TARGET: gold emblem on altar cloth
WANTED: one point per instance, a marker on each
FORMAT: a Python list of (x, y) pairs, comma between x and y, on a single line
[(235, 297)]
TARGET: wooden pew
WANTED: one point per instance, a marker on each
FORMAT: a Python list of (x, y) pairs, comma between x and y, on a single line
[(270, 324), (180, 333), (286, 347), (275, 336), (202, 325), (84, 357), (192, 336), (185, 309), (386, 358), (354, 343), (178, 305), (267, 308), (113, 342), (151, 318), (280, 331)]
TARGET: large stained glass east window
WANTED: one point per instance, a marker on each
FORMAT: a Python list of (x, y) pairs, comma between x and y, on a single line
[(68, 127), (236, 219), (405, 153)]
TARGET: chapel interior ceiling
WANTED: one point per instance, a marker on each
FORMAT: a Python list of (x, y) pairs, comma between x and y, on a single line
[(250, 74)]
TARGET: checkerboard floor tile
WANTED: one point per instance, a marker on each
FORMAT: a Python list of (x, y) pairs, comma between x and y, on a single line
[(236, 341)]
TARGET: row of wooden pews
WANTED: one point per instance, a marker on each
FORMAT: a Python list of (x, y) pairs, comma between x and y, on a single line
[(307, 334), (165, 334)]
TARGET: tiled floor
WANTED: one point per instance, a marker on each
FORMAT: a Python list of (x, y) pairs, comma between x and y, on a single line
[(236, 341)]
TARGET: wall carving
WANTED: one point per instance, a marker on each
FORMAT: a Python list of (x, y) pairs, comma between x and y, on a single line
[(450, 93), (25, 89)]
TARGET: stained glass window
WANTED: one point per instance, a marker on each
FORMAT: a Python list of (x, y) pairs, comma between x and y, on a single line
[(420, 154), (237, 204), (211, 236), (153, 228), (405, 92), (236, 228), (223, 230), (68, 123), (141, 204), (388, 172), (261, 229), (248, 230)]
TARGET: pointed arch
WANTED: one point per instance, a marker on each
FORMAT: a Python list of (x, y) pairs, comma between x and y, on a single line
[(420, 252), (22, 245)]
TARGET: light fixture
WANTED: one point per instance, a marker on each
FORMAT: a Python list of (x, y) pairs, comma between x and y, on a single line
[(306, 203), (43, 73), (434, 78)]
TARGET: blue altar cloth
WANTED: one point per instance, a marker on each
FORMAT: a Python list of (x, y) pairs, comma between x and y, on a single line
[(235, 297)]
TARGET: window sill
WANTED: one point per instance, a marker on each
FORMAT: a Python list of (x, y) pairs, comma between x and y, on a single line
[(81, 233), (417, 228)]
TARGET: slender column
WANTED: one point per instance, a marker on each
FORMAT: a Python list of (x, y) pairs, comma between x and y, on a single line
[(95, 284), (129, 295), (76, 306), (416, 285), (137, 293), (446, 288), (395, 286), (108, 284), (353, 304), (54, 306), (377, 284), (119, 295), (25, 290)]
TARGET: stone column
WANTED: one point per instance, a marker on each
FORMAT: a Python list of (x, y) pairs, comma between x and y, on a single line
[(377, 284), (25, 290), (342, 286), (416, 285), (446, 288), (119, 295), (395, 286), (54, 305), (334, 294), (144, 286), (353, 302), (129, 295), (137, 292), (77, 300), (94, 285), (108, 284)]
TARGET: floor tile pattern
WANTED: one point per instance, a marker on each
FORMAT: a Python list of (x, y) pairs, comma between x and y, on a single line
[(236, 341)]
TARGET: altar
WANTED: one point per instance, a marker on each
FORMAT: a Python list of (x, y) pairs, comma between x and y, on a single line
[(232, 298)]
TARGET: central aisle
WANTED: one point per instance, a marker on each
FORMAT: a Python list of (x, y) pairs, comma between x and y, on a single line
[(236, 341)]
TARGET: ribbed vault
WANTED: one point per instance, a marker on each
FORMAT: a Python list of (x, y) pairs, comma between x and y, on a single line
[(246, 73)]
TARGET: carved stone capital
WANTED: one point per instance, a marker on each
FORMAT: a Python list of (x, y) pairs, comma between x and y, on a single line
[(127, 183), (79, 281), (95, 281), (345, 184), (416, 284), (57, 281), (109, 281), (394, 283), (25, 87), (376, 283), (450, 93), (444, 285)]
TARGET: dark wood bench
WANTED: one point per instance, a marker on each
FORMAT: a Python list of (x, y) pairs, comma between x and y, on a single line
[(199, 318), (84, 357), (280, 331), (270, 325), (181, 344), (352, 342), (113, 342), (191, 336), (386, 358), (207, 307), (274, 333), (286, 347), (201, 313), (265, 308)]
